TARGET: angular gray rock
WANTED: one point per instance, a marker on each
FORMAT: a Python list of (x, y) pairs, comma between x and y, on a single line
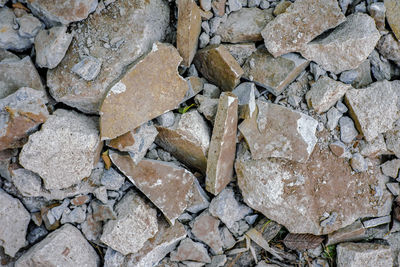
[(190, 251), (118, 38), (9, 36), (112, 179), (241, 51), (74, 138), (14, 220), (363, 254), (88, 68), (348, 131), (391, 168), (65, 246), (29, 26), (358, 163), (302, 22), (389, 47), (346, 47)]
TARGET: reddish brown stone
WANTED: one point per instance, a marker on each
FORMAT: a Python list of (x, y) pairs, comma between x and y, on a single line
[(80, 200), (337, 148), (205, 228), (223, 144)]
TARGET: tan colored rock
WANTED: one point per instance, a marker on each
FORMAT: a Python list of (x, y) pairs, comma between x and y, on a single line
[(143, 94), (279, 132), (373, 109), (244, 25), (188, 30), (188, 139), (218, 66), (22, 112), (188, 250), (136, 222), (281, 7), (392, 16), (325, 93), (117, 36), (223, 144), (165, 184), (274, 74), (299, 24), (205, 229), (289, 192), (346, 47)]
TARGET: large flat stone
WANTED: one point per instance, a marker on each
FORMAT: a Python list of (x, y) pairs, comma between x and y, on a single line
[(373, 109), (74, 138), (279, 132), (299, 24), (274, 74), (304, 197), (143, 93), (218, 66), (14, 220), (165, 184), (136, 222), (223, 144), (392, 16), (346, 47), (244, 25), (22, 112), (188, 139), (128, 34), (363, 254)]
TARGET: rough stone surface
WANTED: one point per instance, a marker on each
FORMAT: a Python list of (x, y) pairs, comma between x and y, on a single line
[(244, 25), (205, 229), (274, 74), (223, 144), (21, 114), (51, 46), (391, 168), (74, 138), (9, 37), (333, 115), (143, 93), (325, 93), (136, 222), (373, 109), (207, 106), (218, 66), (133, 31), (188, 30), (389, 47), (14, 220), (192, 251), (377, 11), (288, 192), (165, 184), (358, 163), (348, 131), (29, 26), (346, 47), (88, 68), (302, 22), (279, 132), (241, 51), (68, 247), (199, 199), (363, 254), (392, 16)]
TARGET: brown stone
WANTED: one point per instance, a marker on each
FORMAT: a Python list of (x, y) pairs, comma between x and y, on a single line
[(205, 229), (223, 144), (279, 132), (22, 112), (189, 250), (299, 24), (218, 66), (392, 16), (338, 148), (352, 232), (188, 30), (80, 200), (274, 74), (281, 7), (165, 184), (218, 7), (152, 87), (187, 140)]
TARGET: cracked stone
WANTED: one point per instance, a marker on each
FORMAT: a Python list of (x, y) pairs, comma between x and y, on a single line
[(9, 37), (192, 251), (363, 254), (205, 229), (74, 138), (280, 132), (352, 232), (129, 97), (392, 16), (302, 22)]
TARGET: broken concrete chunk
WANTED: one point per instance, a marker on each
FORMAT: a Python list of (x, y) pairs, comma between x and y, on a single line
[(325, 93), (22, 112), (74, 138), (302, 22), (274, 74), (9, 37), (68, 247), (389, 47), (128, 34), (241, 51), (188, 30), (280, 132), (346, 47), (218, 66), (88, 68), (205, 229), (135, 224), (14, 220), (223, 144), (165, 184), (244, 25), (141, 94), (392, 16), (363, 254), (275, 188), (188, 139), (192, 251), (374, 109)]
